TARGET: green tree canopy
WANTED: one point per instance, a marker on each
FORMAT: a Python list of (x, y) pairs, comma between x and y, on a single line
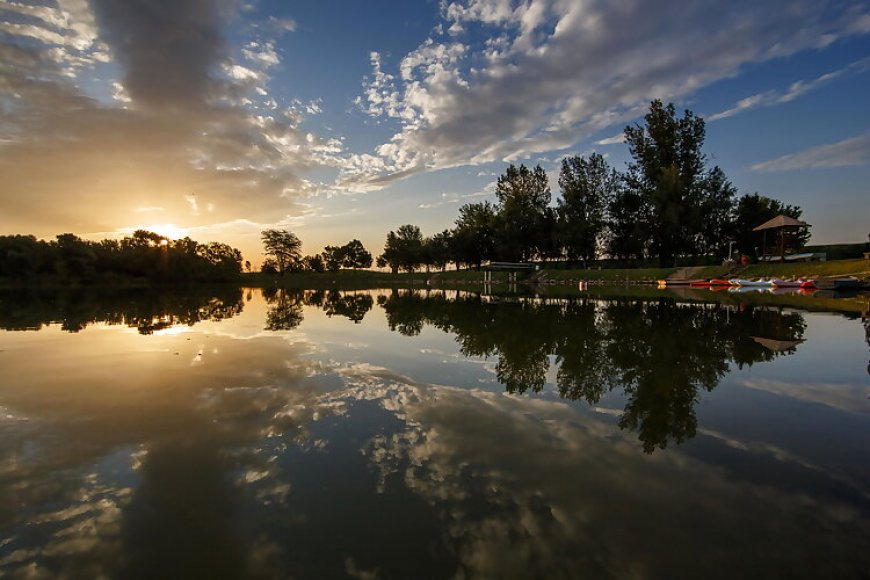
[(588, 185), (668, 170), (403, 249), (525, 218), (474, 237)]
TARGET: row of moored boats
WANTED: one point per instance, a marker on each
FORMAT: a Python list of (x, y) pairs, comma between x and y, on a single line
[(756, 283)]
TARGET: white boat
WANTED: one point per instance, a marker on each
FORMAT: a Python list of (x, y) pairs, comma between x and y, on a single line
[(761, 282), (780, 283)]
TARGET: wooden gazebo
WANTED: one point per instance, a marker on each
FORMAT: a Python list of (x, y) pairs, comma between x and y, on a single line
[(784, 232)]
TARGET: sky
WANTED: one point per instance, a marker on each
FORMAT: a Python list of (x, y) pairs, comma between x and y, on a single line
[(346, 119)]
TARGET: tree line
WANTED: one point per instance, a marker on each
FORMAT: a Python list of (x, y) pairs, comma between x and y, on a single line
[(283, 251), (142, 255), (668, 204)]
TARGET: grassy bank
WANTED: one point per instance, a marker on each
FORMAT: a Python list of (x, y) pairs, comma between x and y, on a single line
[(860, 268), (362, 279), (612, 276)]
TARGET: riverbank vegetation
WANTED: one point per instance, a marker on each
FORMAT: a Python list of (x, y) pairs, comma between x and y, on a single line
[(669, 207), (141, 257)]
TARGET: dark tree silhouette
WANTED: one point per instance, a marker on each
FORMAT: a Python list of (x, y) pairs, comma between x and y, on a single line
[(588, 185), (752, 211), (283, 248), (668, 170)]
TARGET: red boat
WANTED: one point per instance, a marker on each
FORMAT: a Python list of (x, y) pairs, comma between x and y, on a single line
[(708, 283)]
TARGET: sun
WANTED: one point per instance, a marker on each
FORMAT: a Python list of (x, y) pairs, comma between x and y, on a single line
[(170, 231)]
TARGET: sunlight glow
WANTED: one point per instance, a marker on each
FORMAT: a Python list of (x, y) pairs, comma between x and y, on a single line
[(170, 231)]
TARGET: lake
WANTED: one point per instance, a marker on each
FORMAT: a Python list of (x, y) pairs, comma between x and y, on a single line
[(247, 433)]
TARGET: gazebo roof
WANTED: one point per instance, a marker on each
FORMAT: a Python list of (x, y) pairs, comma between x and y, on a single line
[(781, 221), (776, 345)]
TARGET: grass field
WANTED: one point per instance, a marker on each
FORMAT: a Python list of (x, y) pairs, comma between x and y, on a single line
[(361, 279), (860, 268), (610, 276)]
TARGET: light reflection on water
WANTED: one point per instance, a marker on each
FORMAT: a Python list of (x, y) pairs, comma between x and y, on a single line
[(397, 434)]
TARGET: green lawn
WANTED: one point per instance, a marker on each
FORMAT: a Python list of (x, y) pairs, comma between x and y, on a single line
[(860, 268), (608, 275), (361, 279)]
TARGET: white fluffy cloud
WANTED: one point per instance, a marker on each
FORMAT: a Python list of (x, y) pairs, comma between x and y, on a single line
[(178, 114), (548, 73)]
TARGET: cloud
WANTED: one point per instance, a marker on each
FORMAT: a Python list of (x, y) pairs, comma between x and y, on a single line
[(459, 197), (614, 140), (181, 110), (520, 491), (848, 398), (849, 152), (795, 90), (169, 50), (548, 73)]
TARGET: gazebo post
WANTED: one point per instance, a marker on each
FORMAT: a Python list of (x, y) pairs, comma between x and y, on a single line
[(782, 244)]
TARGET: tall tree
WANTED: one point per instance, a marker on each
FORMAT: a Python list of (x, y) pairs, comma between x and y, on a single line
[(221, 257), (474, 237), (439, 249), (283, 247), (628, 225), (716, 214), (333, 257), (314, 263), (525, 218), (355, 255), (403, 249), (669, 171), (588, 185)]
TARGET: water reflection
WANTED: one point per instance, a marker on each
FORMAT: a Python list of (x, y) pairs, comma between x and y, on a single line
[(285, 306), (659, 353), (227, 451), (146, 309)]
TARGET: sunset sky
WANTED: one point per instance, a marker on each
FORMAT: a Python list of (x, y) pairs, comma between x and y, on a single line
[(339, 120)]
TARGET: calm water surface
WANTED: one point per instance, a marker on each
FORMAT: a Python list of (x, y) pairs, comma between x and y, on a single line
[(243, 434)]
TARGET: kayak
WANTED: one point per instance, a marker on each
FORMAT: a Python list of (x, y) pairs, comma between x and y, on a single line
[(780, 283), (760, 282), (709, 283)]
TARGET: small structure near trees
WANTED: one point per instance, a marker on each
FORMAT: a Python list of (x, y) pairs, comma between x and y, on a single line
[(780, 237)]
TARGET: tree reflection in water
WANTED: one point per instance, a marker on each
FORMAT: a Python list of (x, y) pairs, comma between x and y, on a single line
[(285, 309), (352, 305), (146, 309), (659, 353), (286, 306)]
